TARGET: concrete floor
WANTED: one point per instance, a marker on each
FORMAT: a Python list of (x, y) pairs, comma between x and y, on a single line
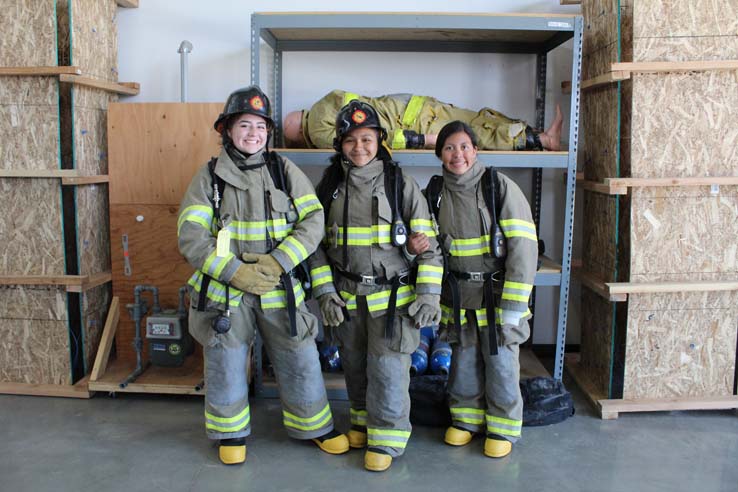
[(156, 443)]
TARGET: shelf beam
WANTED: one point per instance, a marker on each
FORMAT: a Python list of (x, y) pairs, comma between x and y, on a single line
[(623, 71), (72, 283), (69, 177), (129, 4), (624, 288), (30, 71), (620, 186)]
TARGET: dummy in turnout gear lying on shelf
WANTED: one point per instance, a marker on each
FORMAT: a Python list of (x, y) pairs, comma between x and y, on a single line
[(413, 122), (247, 221)]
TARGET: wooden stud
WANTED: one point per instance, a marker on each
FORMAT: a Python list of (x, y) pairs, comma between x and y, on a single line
[(624, 288), (26, 71), (571, 2), (129, 4), (106, 341), (85, 180), (604, 79), (700, 181), (600, 287), (69, 177), (73, 283), (78, 390), (685, 66), (90, 281), (129, 89), (669, 404)]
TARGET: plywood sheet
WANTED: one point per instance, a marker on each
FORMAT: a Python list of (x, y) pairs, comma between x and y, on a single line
[(596, 339), (89, 116), (683, 234), (600, 131), (28, 33), (29, 123), (93, 45), (154, 258), (152, 140), (685, 124), (31, 242), (681, 345), (93, 229), (33, 302), (34, 351), (599, 235)]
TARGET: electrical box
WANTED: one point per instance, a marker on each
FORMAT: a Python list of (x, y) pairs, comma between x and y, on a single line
[(169, 339)]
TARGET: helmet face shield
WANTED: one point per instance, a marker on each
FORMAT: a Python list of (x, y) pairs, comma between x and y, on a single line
[(356, 114), (250, 100)]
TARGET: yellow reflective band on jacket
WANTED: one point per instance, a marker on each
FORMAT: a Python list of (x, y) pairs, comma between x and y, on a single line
[(228, 424), (348, 97), (379, 301), (447, 316), (278, 298), (294, 250), (215, 264), (358, 417), (318, 421), (306, 204), (519, 228), (363, 236), (198, 214), (516, 291), (398, 140), (216, 290), (242, 230), (429, 274), (423, 225), (412, 110), (503, 426), (321, 275), (474, 246), (386, 437), (473, 416)]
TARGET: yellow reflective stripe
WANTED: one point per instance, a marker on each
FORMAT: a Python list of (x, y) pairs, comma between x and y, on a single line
[(379, 301), (412, 110), (429, 274), (321, 275), (222, 261), (309, 423), (392, 444), (227, 420), (502, 431), (278, 298), (349, 299), (516, 291), (216, 290), (474, 246), (423, 225), (256, 230), (475, 411), (294, 249), (518, 285), (503, 420), (447, 315), (388, 432), (519, 228), (307, 204), (469, 420), (199, 214), (398, 140), (348, 97), (364, 236)]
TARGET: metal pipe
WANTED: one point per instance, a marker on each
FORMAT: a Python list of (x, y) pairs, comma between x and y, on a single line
[(185, 47), (139, 310)]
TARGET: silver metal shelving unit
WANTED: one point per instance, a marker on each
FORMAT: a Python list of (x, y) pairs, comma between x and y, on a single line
[(525, 34)]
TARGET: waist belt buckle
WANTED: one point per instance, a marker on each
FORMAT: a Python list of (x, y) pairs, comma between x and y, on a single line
[(476, 276), (367, 280)]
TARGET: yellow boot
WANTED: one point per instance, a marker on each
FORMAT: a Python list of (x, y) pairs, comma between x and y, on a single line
[(497, 448), (457, 437), (232, 451), (357, 437), (333, 443), (376, 460)]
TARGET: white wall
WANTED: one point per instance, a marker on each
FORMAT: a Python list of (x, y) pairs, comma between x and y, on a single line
[(220, 33)]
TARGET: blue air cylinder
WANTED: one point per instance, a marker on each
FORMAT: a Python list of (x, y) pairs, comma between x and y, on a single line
[(430, 332), (330, 359), (419, 358), (440, 361)]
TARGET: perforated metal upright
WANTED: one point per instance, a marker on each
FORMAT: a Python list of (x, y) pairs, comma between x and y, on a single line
[(532, 34)]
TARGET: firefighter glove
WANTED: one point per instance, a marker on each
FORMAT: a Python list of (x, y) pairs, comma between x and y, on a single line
[(250, 277), (426, 309), (266, 263), (331, 307)]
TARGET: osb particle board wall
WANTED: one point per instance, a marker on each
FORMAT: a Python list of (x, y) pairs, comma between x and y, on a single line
[(155, 149), (669, 125)]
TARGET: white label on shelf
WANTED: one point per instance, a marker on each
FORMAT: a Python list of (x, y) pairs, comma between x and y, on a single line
[(714, 189), (559, 24)]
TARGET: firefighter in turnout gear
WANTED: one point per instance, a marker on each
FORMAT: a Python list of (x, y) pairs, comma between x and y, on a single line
[(413, 122), (370, 297), (487, 285), (248, 219)]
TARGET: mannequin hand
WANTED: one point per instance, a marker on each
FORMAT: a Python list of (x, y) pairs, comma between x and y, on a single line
[(330, 307), (426, 310)]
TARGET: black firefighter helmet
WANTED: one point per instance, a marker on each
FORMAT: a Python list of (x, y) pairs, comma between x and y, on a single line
[(356, 114), (250, 100)]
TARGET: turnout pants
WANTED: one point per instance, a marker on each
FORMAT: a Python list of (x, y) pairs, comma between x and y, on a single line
[(377, 372), (483, 389), (305, 410)]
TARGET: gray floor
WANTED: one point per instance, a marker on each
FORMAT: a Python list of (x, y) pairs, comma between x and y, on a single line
[(156, 443)]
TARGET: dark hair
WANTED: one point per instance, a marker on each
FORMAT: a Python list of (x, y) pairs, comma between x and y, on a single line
[(451, 128)]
